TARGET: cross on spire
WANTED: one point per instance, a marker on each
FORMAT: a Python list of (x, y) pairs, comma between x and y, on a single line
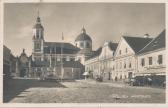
[(83, 30)]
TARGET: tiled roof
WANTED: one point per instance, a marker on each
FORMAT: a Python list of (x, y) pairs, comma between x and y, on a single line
[(73, 64), (84, 51), (112, 46), (156, 43), (96, 53), (55, 47), (137, 43)]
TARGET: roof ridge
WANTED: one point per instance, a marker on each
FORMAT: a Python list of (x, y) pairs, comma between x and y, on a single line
[(146, 45), (57, 42), (152, 41), (138, 37)]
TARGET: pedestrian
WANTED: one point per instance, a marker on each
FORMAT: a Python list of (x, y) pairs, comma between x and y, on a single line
[(149, 81)]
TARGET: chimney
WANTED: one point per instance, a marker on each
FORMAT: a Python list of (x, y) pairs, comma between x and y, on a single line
[(146, 35)]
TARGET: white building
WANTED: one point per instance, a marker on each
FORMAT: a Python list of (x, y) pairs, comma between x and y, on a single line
[(102, 61), (152, 58), (125, 56)]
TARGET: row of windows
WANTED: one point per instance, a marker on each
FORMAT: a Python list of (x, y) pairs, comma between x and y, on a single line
[(126, 50), (119, 66), (64, 59), (87, 44), (150, 60), (107, 65)]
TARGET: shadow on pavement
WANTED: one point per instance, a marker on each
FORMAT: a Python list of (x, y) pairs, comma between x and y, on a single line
[(16, 86)]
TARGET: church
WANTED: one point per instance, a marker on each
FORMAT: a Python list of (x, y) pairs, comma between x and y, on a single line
[(59, 59)]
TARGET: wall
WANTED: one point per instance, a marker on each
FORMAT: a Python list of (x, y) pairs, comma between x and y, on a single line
[(155, 67)]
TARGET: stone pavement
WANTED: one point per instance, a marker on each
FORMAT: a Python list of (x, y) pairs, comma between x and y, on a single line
[(79, 91)]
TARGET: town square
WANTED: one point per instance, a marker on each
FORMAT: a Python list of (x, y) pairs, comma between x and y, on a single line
[(84, 53)]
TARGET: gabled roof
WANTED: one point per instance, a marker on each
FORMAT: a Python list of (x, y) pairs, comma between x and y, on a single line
[(156, 43), (55, 48), (113, 46), (96, 53), (137, 43)]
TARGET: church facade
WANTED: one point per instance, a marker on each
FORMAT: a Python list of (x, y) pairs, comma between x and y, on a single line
[(59, 59)]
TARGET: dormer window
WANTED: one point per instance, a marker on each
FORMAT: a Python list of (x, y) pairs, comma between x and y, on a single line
[(126, 50), (155, 43)]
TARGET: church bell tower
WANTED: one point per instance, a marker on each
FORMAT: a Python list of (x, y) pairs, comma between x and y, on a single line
[(38, 40)]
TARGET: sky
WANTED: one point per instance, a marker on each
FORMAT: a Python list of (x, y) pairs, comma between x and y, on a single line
[(102, 21)]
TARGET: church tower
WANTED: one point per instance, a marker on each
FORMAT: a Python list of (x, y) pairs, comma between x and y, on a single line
[(38, 40), (84, 42)]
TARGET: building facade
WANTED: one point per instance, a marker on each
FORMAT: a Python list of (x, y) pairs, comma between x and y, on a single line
[(101, 63), (9, 61), (125, 56), (152, 59), (59, 59)]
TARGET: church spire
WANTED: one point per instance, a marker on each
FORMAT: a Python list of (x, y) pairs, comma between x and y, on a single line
[(38, 17)]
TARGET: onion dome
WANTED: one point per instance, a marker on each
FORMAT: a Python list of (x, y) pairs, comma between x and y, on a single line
[(83, 36)]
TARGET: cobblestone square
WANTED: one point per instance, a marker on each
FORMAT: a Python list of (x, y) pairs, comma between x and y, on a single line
[(79, 91)]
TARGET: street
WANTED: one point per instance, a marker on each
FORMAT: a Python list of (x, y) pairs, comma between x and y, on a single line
[(79, 91)]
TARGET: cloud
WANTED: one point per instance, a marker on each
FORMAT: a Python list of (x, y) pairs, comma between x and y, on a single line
[(25, 31)]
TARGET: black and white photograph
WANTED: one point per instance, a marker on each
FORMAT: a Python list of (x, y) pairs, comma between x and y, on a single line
[(74, 52)]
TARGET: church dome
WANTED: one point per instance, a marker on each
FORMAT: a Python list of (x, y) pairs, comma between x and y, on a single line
[(83, 36)]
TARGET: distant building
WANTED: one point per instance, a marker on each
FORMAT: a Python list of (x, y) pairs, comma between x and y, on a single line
[(22, 65), (152, 58), (8, 62), (101, 63)]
